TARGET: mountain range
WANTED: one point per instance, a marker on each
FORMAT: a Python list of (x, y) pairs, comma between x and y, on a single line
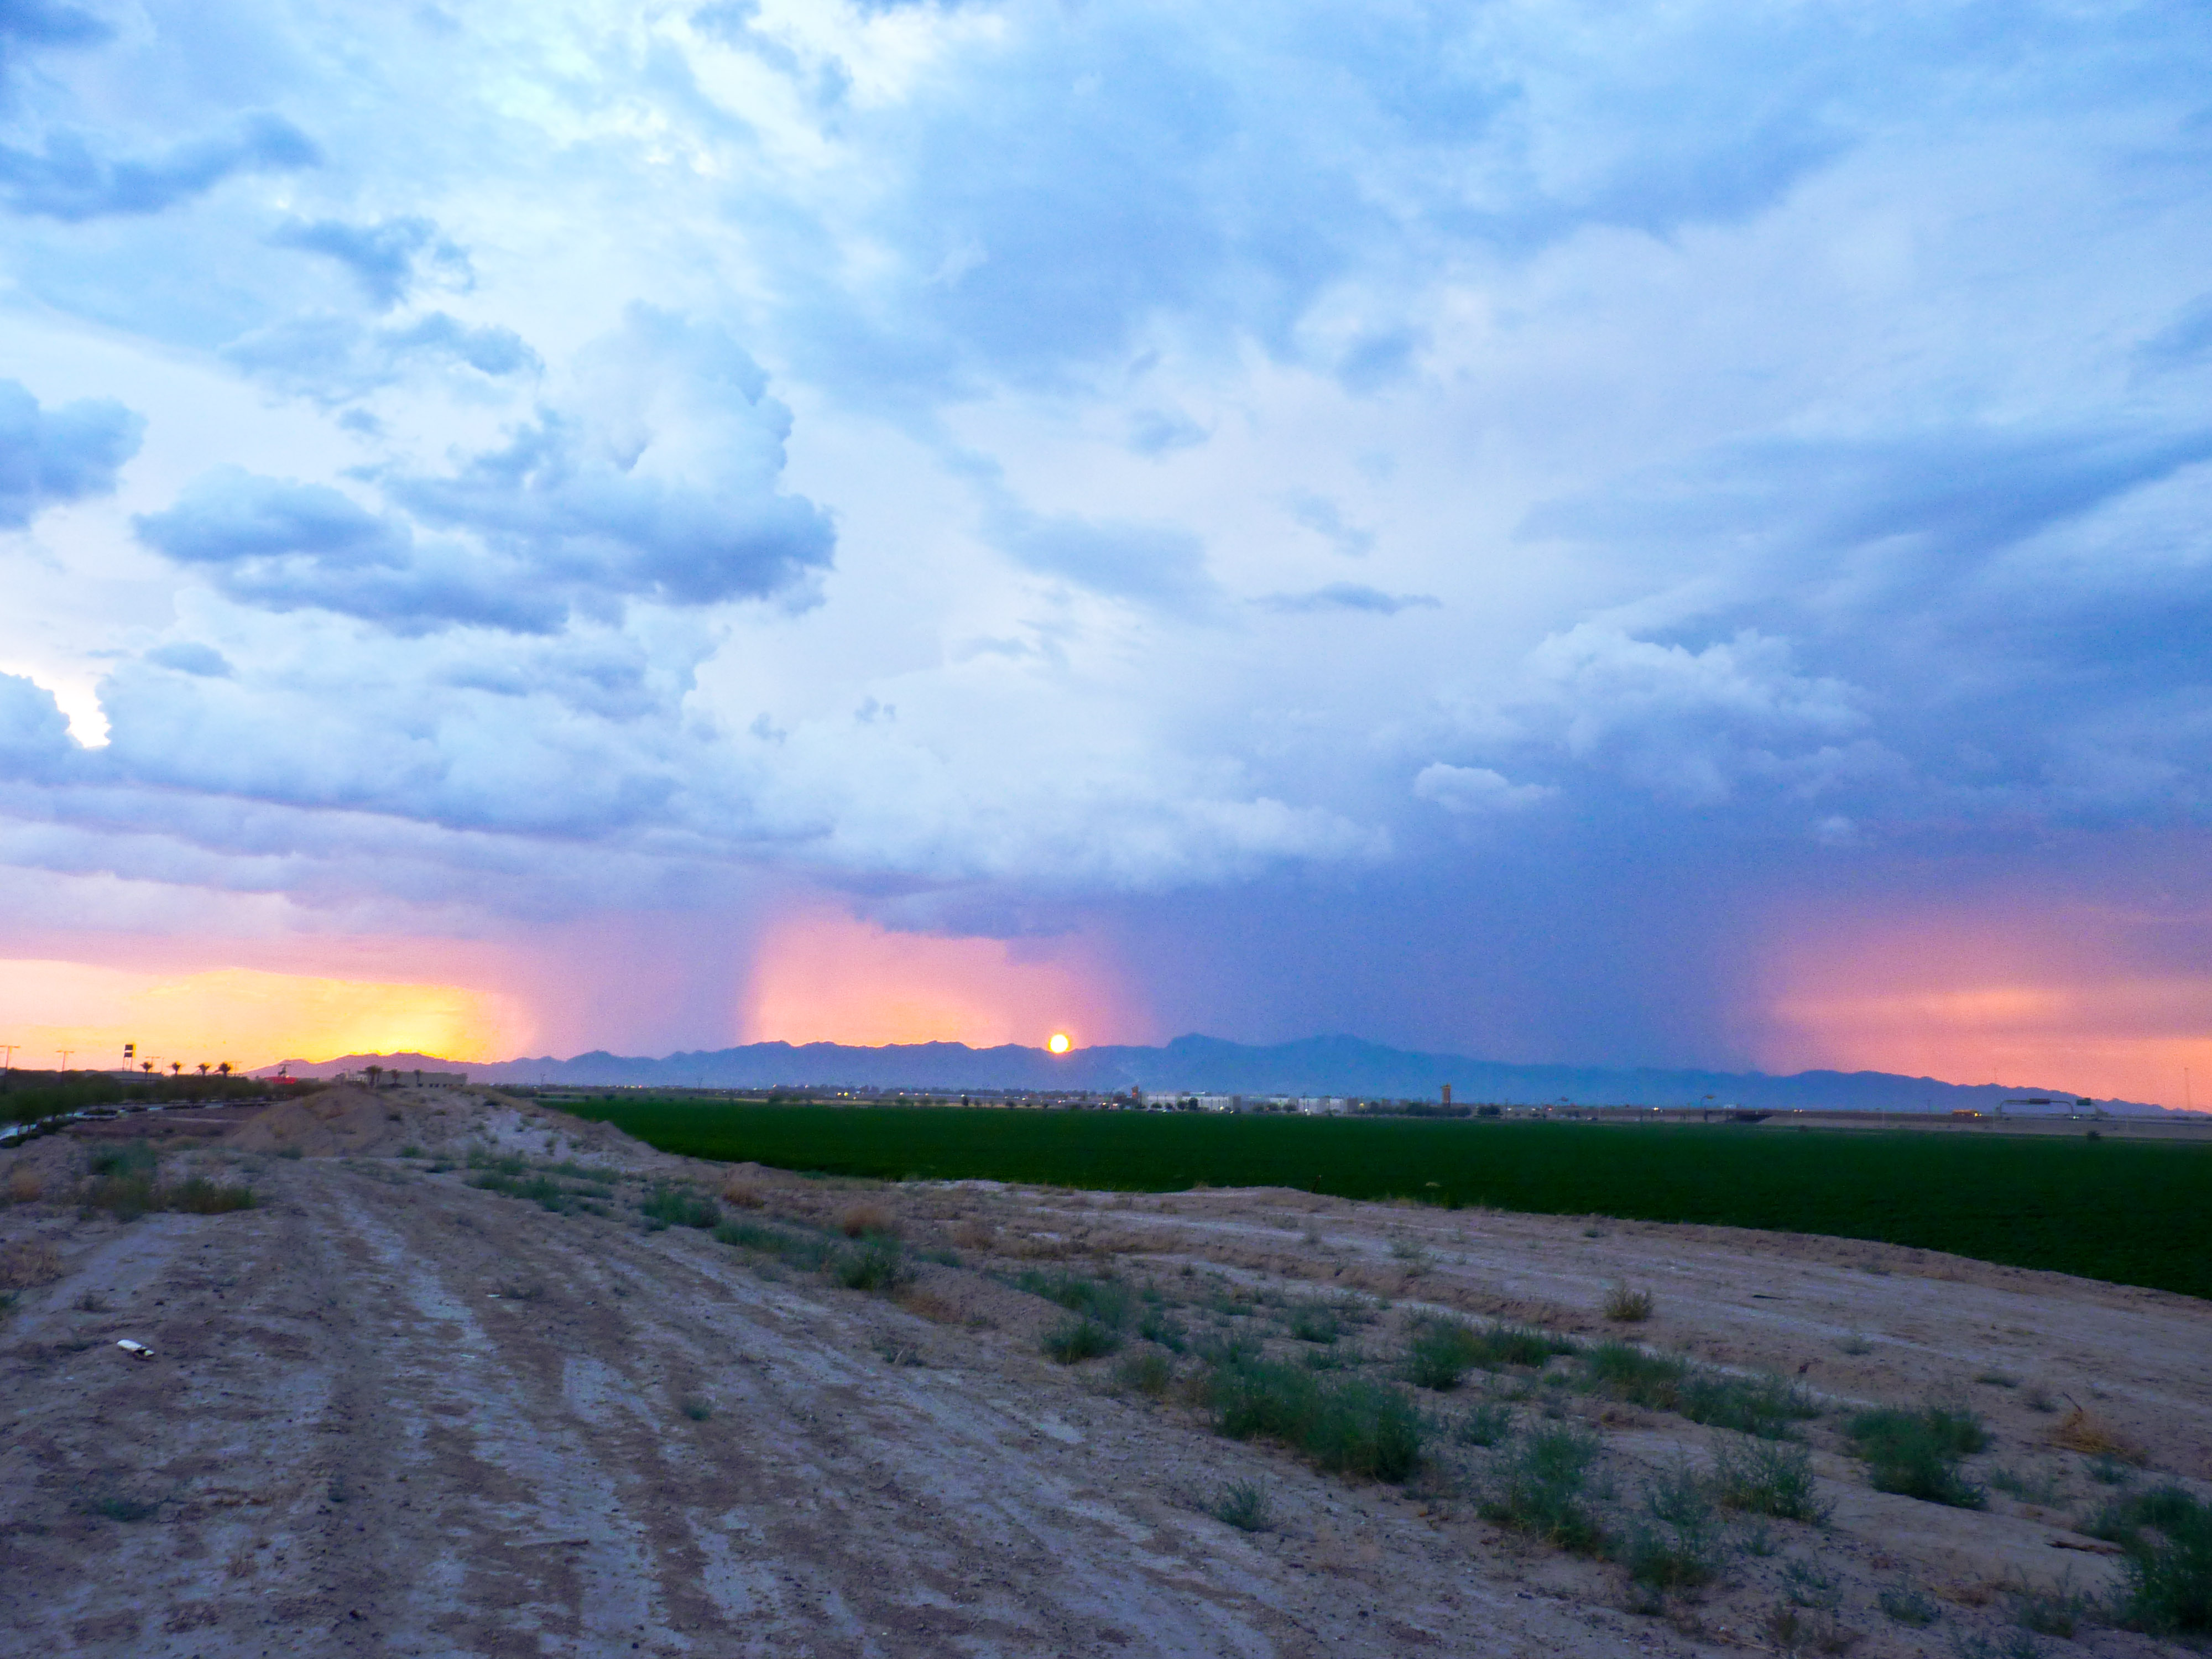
[(1203, 1065)]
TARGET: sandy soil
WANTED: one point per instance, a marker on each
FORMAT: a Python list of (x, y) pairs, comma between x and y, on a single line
[(391, 1413)]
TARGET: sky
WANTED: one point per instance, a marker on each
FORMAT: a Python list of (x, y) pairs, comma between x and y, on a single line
[(1620, 534)]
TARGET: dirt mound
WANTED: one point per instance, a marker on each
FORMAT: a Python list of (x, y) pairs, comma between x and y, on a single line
[(347, 1121)]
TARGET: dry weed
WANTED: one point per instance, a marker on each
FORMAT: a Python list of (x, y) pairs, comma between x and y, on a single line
[(2080, 1431), (927, 1303), (863, 1219), (27, 1262), (24, 1186), (1629, 1307), (975, 1235), (743, 1193)]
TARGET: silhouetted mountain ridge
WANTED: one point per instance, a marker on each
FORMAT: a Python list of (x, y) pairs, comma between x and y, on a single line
[(1203, 1065)]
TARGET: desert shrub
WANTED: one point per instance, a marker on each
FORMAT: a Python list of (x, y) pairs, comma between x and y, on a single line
[(1806, 1586), (197, 1195), (1768, 1480), (1629, 1307), (1244, 1505), (135, 1158), (1485, 1424), (1441, 1353), (678, 1206), (27, 1263), (1766, 1405), (1917, 1453), (1675, 1543), (1150, 1373), (293, 1153), (1908, 1606), (1104, 1300), (123, 1507), (1077, 1339), (1542, 1488), (1313, 1321), (698, 1407), (2167, 1536), (1155, 1325), (803, 1251), (1793, 1630), (2057, 1611), (1355, 1426), (877, 1263), (742, 1194)]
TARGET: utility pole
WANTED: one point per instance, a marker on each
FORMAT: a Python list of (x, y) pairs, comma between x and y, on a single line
[(10, 1047), (65, 1053)]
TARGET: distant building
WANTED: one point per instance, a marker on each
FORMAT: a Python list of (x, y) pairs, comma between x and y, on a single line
[(1221, 1103), (1323, 1106)]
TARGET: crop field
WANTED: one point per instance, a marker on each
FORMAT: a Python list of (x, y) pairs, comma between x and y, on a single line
[(2130, 1213)]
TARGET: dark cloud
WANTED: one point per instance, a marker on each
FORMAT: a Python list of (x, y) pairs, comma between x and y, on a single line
[(284, 546), (383, 258), (48, 457), (557, 508), (1347, 596), (68, 180), (190, 657)]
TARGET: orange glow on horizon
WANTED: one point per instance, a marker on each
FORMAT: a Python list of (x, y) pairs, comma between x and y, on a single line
[(246, 1016), (1975, 1002), (825, 977)]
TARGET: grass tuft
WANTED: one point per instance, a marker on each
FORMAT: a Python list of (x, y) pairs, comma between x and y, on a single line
[(1150, 1373), (1917, 1453), (1107, 1300), (1765, 1478), (1353, 1426), (1628, 1306), (1485, 1424), (878, 1263), (698, 1407), (1908, 1608), (678, 1206), (2167, 1536), (1077, 1338), (1768, 1406), (1242, 1505), (1542, 1489), (1676, 1545)]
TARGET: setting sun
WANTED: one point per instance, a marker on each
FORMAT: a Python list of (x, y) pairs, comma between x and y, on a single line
[(1060, 1043)]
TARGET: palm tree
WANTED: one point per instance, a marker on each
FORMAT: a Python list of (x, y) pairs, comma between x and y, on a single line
[(176, 1068), (374, 1072), (204, 1068), (223, 1066), (148, 1065)]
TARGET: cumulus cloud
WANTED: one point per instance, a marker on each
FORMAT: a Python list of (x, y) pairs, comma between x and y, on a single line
[(663, 484), (49, 457), (1690, 725), (34, 736), (1473, 791), (68, 180)]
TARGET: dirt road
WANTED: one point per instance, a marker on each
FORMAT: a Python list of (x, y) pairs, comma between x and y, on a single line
[(389, 1412)]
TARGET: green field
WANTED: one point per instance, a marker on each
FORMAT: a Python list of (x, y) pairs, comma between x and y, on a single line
[(2132, 1213)]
